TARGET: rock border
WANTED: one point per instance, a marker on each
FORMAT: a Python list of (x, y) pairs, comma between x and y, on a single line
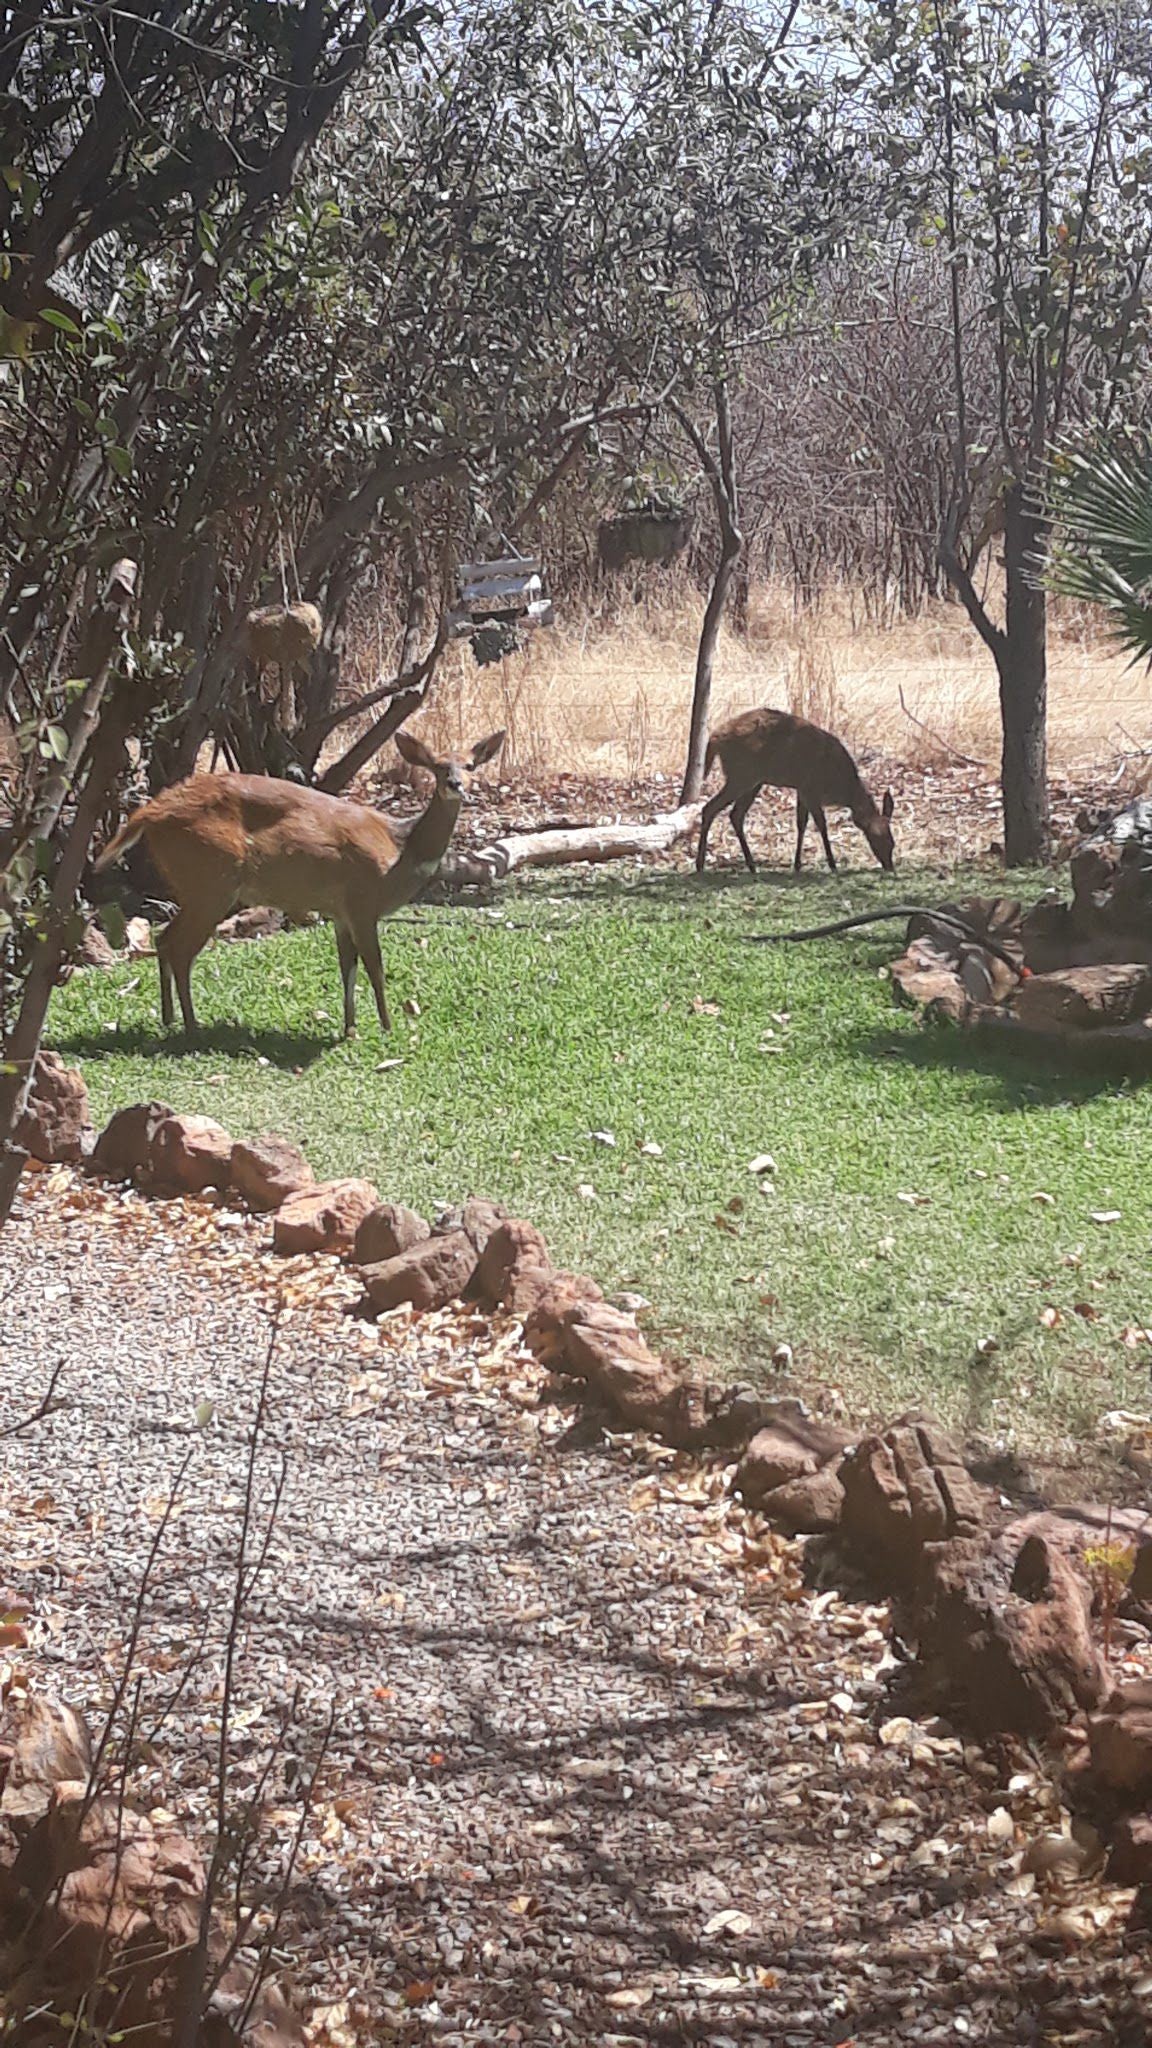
[(1000, 1611)]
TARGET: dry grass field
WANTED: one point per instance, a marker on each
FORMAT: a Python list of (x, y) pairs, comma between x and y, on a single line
[(608, 696)]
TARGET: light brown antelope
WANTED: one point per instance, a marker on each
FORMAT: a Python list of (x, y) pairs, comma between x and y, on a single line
[(224, 840), (773, 749)]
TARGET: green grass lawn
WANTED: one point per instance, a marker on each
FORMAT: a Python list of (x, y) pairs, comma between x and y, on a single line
[(903, 1223)]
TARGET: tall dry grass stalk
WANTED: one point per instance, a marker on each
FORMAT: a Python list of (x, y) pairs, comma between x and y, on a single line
[(813, 688), (609, 694)]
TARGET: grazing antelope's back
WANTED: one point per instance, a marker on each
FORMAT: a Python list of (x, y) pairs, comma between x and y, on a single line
[(774, 748), (788, 753)]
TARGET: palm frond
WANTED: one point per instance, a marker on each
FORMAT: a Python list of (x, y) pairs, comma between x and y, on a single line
[(1101, 509)]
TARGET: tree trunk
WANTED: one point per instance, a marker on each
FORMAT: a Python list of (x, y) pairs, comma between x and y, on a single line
[(721, 472), (702, 688), (1023, 669)]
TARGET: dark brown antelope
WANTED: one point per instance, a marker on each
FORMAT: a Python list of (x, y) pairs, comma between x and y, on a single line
[(224, 840), (773, 749)]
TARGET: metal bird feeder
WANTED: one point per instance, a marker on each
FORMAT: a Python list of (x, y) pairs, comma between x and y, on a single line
[(497, 602)]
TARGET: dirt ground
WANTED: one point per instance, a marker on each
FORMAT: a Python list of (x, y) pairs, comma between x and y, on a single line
[(604, 1762), (945, 815)]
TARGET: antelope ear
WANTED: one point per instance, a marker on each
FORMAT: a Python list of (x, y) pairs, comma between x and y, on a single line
[(485, 750), (888, 806), (415, 752)]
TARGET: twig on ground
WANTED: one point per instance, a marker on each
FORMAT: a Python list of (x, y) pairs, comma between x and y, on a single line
[(47, 1407)]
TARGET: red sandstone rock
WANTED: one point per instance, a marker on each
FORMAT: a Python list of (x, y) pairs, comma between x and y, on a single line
[(1008, 1625), (56, 1116), (904, 1489), (324, 1218), (100, 1907), (124, 1146), (1120, 1741), (545, 1328), (477, 1218), (428, 1276), (603, 1346), (388, 1230), (789, 1446), (267, 1170), (1130, 1855), (189, 1154), (514, 1268), (808, 1506)]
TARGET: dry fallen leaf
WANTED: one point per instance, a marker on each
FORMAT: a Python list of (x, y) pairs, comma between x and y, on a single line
[(331, 2026), (1074, 1926), (730, 1921), (1000, 1825), (895, 1733)]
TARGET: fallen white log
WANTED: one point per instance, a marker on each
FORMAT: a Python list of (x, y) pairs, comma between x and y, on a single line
[(584, 843)]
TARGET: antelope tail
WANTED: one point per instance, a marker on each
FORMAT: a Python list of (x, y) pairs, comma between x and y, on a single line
[(709, 757), (120, 842)]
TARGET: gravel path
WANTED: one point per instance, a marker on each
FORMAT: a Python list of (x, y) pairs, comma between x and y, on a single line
[(601, 1769)]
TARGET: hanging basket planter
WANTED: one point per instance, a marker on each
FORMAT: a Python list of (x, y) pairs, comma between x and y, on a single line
[(283, 634), (651, 532)]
